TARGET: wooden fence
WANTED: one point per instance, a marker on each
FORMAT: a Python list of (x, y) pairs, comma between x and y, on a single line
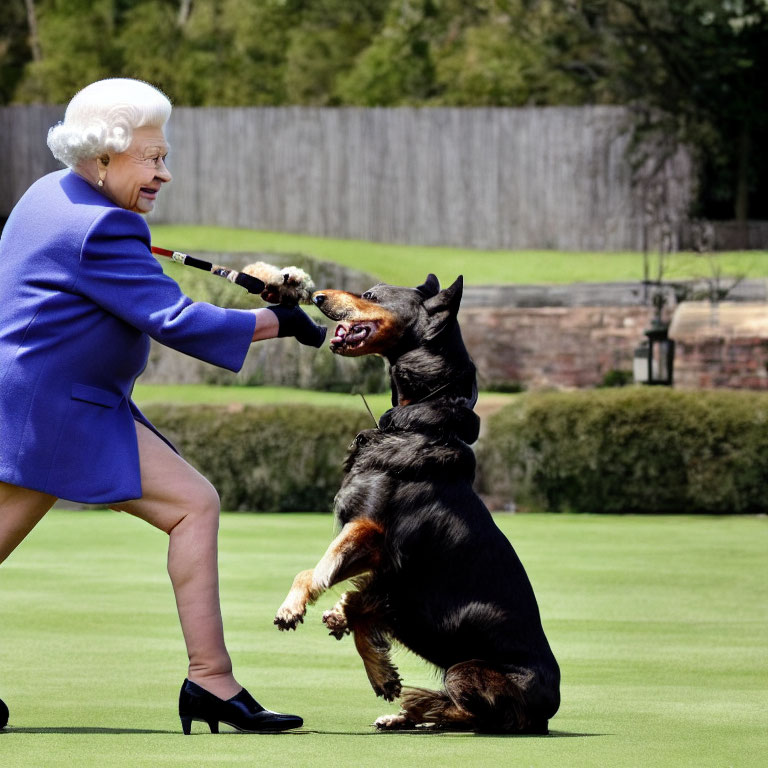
[(555, 177)]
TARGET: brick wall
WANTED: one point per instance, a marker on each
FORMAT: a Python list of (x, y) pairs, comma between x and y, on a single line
[(559, 347), (721, 345), (740, 363)]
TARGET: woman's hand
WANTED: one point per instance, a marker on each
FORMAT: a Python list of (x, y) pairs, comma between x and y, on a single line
[(294, 321)]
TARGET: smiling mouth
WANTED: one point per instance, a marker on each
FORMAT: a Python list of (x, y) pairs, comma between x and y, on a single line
[(351, 336)]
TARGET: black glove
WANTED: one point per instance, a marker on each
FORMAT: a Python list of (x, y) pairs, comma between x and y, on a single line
[(294, 321)]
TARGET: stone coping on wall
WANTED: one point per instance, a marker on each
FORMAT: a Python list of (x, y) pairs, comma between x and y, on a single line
[(618, 294), (694, 320)]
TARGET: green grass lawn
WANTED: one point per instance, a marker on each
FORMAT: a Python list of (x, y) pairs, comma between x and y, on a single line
[(208, 394), (660, 625), (408, 265)]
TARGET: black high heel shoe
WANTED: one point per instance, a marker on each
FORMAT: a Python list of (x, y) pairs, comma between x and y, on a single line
[(242, 711), (3, 714)]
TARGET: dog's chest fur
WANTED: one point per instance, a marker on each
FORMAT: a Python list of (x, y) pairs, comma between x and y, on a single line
[(421, 444)]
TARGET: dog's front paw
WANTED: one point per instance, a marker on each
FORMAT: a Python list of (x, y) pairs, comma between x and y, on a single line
[(394, 722), (290, 614), (336, 622)]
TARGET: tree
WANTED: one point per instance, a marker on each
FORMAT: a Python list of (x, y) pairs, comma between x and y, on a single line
[(75, 48), (14, 48), (698, 68), (148, 43), (324, 43), (693, 70), (505, 53), (396, 68), (463, 53)]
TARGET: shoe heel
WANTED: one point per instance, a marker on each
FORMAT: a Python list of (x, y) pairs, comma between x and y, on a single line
[(213, 725), (186, 725)]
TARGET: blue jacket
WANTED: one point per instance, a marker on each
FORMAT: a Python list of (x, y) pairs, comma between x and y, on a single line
[(80, 295)]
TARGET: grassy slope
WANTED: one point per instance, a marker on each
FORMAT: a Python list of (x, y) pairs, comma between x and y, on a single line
[(194, 394), (407, 265), (660, 626), (197, 394)]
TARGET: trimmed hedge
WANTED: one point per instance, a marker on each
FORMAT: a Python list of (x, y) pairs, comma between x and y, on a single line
[(635, 450), (264, 458)]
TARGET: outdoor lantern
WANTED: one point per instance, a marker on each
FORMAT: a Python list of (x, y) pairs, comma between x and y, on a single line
[(654, 359)]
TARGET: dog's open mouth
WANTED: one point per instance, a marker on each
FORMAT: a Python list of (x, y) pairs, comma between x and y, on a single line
[(351, 336)]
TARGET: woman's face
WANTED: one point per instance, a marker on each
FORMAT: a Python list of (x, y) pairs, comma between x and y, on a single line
[(133, 178)]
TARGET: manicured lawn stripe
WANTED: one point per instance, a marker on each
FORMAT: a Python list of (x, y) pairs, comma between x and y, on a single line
[(660, 625)]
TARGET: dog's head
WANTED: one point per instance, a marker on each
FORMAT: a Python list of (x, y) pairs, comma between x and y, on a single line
[(388, 319)]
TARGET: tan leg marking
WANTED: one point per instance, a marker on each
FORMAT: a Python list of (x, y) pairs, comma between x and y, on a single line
[(354, 551)]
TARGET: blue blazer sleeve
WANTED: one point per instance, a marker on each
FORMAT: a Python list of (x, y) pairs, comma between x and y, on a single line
[(118, 272)]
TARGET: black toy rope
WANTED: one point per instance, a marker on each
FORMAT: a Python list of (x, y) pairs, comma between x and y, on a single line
[(250, 283)]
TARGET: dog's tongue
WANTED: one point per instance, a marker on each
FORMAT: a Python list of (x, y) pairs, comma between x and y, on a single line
[(349, 335), (356, 333)]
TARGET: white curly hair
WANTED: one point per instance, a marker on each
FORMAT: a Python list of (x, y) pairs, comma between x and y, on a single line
[(102, 116)]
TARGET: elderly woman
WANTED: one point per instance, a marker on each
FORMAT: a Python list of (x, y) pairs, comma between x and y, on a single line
[(80, 297)]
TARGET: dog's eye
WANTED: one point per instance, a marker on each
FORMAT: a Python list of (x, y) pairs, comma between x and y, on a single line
[(368, 295)]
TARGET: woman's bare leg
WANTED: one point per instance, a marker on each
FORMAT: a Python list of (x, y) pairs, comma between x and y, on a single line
[(180, 501), (21, 509)]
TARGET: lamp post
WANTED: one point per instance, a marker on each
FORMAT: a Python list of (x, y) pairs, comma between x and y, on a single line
[(654, 358)]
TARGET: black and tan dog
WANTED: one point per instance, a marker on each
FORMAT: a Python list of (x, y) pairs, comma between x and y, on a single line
[(431, 569)]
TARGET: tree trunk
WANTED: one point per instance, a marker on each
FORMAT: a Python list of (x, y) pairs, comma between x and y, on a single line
[(741, 204), (185, 6), (34, 40)]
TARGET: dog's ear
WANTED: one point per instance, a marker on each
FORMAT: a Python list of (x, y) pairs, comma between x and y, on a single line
[(443, 307), (430, 287)]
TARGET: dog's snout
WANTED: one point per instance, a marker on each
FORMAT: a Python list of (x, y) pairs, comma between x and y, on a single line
[(318, 299)]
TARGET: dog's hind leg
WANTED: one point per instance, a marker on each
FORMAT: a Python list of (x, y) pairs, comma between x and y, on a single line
[(362, 615), (423, 706), (373, 646), (354, 551)]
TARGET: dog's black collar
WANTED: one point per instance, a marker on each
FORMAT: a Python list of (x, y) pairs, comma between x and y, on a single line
[(469, 400)]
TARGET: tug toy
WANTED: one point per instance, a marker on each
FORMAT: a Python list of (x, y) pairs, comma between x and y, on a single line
[(276, 285)]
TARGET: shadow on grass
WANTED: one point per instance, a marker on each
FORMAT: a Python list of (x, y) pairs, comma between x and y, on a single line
[(86, 731), (420, 733), (433, 732)]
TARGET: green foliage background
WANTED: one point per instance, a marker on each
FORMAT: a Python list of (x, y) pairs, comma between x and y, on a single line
[(695, 69)]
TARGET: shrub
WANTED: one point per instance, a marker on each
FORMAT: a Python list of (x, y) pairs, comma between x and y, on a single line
[(616, 378), (635, 450), (264, 458)]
